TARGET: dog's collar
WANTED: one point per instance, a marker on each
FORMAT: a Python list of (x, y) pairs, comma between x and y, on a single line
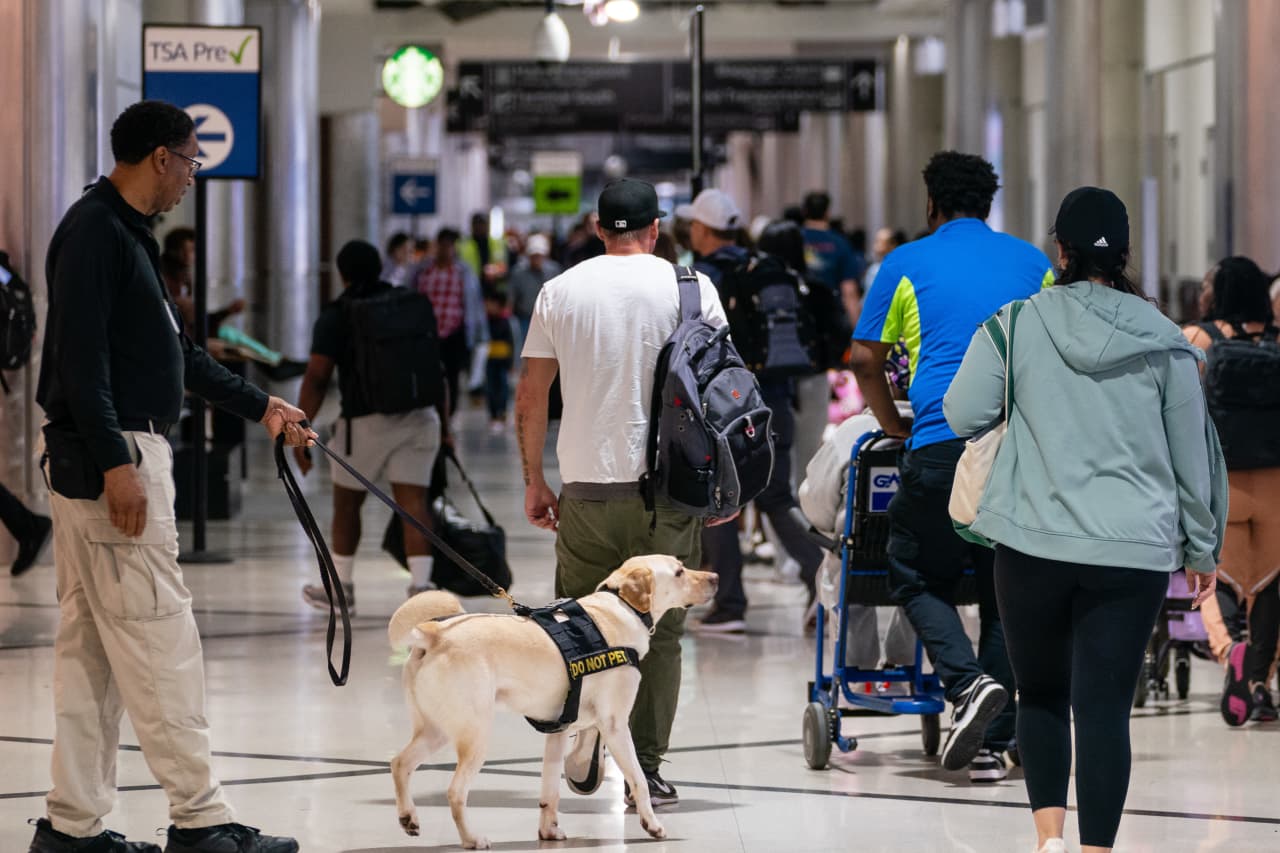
[(644, 617)]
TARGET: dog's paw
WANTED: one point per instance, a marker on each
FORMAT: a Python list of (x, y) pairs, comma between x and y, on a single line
[(555, 833), (409, 823), (477, 843), (654, 829)]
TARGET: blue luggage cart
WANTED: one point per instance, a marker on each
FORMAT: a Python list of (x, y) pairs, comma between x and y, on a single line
[(873, 480)]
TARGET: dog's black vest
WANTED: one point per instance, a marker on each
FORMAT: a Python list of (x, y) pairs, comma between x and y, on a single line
[(584, 650)]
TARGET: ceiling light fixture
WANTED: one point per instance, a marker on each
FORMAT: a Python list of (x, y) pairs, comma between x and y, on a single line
[(622, 11), (551, 40)]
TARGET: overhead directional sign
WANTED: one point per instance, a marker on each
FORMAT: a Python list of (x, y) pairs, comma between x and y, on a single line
[(215, 74), (413, 194), (530, 98)]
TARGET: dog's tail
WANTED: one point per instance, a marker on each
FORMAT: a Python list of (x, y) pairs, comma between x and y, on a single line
[(422, 608)]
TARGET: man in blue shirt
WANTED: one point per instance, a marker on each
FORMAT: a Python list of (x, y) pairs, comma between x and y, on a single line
[(828, 255), (932, 294)]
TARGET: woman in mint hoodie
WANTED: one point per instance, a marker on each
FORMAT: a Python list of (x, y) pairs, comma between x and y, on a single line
[(1109, 478)]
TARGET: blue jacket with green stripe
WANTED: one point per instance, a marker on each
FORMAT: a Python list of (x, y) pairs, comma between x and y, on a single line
[(933, 293)]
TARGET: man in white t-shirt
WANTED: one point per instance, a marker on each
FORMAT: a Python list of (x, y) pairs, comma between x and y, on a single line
[(601, 325)]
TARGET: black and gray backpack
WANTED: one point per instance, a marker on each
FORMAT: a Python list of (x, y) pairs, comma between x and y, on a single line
[(1242, 388), (710, 449)]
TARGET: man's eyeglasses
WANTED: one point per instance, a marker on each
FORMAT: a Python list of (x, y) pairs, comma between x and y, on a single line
[(195, 164)]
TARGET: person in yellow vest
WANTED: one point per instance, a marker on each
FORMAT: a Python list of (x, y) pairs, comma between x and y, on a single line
[(486, 255)]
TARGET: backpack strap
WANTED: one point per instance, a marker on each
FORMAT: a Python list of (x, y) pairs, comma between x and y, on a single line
[(690, 309), (1212, 330), (690, 293)]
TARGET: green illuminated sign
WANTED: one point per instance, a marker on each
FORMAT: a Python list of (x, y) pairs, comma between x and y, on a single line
[(557, 193), (413, 76)]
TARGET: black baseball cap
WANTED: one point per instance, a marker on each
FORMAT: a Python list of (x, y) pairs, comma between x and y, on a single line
[(626, 205), (1093, 218)]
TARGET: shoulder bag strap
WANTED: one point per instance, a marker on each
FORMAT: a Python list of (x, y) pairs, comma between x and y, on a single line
[(453, 457), (1212, 330)]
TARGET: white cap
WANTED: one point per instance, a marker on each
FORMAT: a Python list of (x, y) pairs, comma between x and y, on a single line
[(714, 209), (537, 244)]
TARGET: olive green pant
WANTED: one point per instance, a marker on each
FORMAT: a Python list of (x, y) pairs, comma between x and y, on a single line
[(597, 536)]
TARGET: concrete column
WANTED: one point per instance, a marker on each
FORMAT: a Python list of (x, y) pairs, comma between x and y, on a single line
[(782, 179), (1247, 126), (1093, 78), (915, 132), (355, 182), (1009, 152), (967, 94), (288, 194)]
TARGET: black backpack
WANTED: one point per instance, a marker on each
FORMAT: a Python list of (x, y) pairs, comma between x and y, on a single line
[(710, 449), (1242, 388), (772, 327), (17, 320), (396, 352), (832, 332)]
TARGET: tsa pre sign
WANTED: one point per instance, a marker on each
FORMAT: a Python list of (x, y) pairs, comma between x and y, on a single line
[(215, 74)]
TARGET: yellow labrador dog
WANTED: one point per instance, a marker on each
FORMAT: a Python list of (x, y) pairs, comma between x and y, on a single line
[(460, 668)]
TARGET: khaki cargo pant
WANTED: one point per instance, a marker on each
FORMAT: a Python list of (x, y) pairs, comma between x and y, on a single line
[(127, 641), (597, 536)]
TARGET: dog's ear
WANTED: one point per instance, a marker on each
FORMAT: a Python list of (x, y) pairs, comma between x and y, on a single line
[(637, 588)]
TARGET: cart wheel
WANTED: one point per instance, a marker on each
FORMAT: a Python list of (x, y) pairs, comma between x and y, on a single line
[(931, 734), (1182, 673), (817, 735)]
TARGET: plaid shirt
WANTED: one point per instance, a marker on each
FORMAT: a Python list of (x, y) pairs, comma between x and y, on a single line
[(446, 288)]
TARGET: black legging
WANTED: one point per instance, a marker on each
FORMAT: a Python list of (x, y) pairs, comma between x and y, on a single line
[(1076, 636)]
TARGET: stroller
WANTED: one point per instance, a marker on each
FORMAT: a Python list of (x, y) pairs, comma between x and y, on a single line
[(1179, 634), (873, 480)]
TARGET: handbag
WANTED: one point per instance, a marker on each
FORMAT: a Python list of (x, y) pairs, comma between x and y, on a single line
[(483, 544), (973, 470)]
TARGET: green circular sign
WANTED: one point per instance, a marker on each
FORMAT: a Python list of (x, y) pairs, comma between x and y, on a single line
[(413, 76)]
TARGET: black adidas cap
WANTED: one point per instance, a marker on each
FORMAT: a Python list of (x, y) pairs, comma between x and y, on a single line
[(1093, 218), (626, 205)]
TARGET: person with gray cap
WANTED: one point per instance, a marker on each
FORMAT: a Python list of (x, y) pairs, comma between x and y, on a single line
[(534, 270), (600, 325), (715, 221), (1109, 479)]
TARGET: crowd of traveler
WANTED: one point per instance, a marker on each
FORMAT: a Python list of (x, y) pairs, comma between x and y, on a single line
[(1073, 570)]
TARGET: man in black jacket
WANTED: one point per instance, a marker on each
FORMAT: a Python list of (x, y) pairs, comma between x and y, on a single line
[(115, 365)]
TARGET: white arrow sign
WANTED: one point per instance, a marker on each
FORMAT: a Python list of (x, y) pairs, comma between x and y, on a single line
[(214, 133), (411, 193)]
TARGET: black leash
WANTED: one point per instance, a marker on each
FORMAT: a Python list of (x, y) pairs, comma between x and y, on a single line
[(328, 574), (308, 522)]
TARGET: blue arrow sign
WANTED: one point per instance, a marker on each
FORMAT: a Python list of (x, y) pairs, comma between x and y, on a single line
[(413, 194)]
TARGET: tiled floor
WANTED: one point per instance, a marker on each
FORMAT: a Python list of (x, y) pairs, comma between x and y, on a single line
[(305, 758)]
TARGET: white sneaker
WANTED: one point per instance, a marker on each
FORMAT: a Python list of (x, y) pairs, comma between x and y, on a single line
[(1053, 845), (314, 595), (987, 766), (982, 702)]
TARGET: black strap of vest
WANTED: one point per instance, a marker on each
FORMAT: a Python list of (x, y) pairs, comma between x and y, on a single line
[(578, 633), (1212, 330)]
